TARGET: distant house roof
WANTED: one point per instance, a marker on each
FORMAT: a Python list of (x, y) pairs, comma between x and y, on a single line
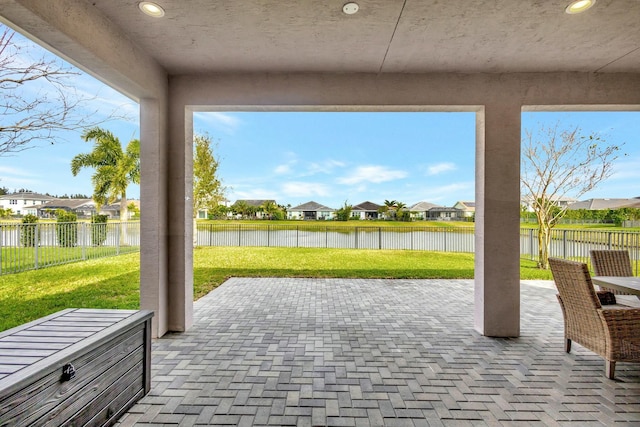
[(470, 205), (366, 206), (27, 196), (600, 204), (311, 206), (254, 202), (444, 209), (71, 204), (422, 206)]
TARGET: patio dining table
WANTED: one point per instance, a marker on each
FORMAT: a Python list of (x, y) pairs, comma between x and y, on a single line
[(630, 285)]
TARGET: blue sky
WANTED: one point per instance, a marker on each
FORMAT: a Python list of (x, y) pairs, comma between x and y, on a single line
[(326, 157)]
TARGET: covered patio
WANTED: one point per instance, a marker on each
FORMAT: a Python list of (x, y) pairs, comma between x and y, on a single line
[(345, 352), (337, 352), (495, 58)]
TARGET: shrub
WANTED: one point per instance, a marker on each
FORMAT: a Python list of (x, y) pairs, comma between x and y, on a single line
[(29, 231), (99, 229), (67, 229)]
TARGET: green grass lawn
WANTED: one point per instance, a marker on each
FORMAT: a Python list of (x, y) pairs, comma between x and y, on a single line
[(114, 282)]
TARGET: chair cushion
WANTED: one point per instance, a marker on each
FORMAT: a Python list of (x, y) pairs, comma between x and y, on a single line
[(606, 297)]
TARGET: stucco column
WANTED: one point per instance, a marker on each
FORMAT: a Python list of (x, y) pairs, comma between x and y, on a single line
[(497, 258), (154, 285), (180, 221)]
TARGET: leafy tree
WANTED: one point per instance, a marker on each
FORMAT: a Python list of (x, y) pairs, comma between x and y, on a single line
[(388, 209), (67, 228), (135, 209), (38, 98), (218, 212), (29, 235), (114, 168), (208, 191), (270, 208), (557, 163), (242, 208), (99, 229), (344, 213)]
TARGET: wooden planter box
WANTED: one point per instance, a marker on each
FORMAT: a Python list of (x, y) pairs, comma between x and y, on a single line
[(75, 367)]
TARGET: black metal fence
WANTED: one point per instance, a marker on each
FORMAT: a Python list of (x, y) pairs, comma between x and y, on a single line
[(571, 244), (314, 236), (32, 246)]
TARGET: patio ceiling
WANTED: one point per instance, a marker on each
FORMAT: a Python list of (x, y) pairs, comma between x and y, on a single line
[(385, 36)]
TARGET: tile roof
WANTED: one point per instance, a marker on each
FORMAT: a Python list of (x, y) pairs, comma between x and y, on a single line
[(311, 206)]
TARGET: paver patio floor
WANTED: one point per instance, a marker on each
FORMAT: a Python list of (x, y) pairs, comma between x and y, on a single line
[(362, 352)]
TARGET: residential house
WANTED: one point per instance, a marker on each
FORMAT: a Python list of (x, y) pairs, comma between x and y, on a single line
[(81, 207), (365, 210), (204, 213), (605, 204), (420, 210), (443, 213), (562, 202), (309, 211), (22, 203), (468, 209), (256, 204)]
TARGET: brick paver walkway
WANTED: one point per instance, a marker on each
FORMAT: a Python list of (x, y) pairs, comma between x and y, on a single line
[(359, 352)]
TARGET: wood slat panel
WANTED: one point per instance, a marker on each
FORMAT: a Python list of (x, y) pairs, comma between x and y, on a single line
[(40, 334), (31, 345), (44, 394), (10, 369), (22, 360), (40, 339), (110, 350), (20, 352), (71, 329)]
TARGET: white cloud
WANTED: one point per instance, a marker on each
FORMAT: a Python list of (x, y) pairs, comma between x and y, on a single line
[(305, 189), (282, 169), (441, 168), (325, 167), (463, 190), (375, 174), (221, 121)]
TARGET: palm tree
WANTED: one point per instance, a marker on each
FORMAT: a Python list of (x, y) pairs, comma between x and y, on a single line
[(114, 168), (388, 208)]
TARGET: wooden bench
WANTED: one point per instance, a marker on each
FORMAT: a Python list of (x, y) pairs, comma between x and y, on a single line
[(75, 367)]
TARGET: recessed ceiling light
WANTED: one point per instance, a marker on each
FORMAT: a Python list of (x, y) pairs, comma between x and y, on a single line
[(579, 6), (151, 9), (350, 8)]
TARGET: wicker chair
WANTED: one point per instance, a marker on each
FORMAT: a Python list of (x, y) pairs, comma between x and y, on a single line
[(612, 332), (611, 263)]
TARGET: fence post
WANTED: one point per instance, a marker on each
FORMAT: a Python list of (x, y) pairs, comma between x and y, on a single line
[(326, 236), (531, 243), (268, 235), (356, 238), (239, 234), (297, 236), (36, 244), (564, 244), (609, 240), (444, 241), (379, 237), (84, 241), (118, 237)]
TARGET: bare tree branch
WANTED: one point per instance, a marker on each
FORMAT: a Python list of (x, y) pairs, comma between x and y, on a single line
[(38, 99), (557, 164)]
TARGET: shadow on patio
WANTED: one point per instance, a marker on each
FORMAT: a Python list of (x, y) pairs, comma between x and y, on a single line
[(366, 352)]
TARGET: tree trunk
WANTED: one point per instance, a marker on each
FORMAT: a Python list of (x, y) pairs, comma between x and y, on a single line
[(544, 245), (124, 218)]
